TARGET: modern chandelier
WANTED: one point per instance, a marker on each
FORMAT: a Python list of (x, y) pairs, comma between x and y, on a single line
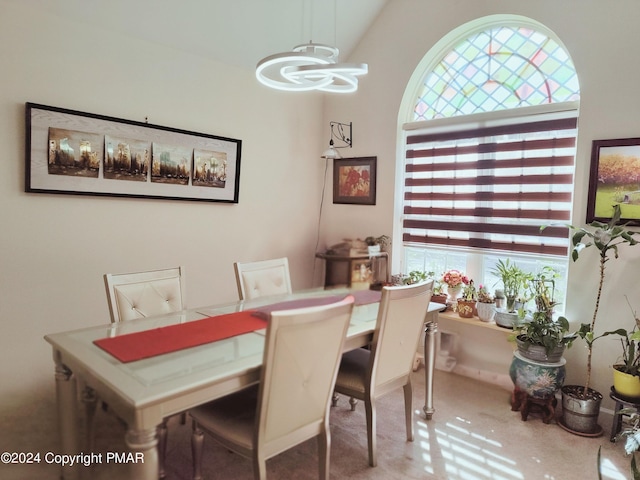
[(311, 66)]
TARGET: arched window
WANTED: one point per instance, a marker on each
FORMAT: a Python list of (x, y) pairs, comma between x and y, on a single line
[(496, 69), (488, 150)]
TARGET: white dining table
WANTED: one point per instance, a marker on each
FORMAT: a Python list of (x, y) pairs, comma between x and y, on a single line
[(144, 392)]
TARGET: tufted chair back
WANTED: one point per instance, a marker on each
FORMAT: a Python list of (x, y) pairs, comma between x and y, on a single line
[(144, 294), (263, 278)]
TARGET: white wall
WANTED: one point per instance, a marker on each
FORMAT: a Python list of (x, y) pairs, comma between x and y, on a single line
[(54, 249), (603, 42)]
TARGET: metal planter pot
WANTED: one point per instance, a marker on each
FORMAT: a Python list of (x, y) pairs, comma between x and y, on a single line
[(580, 415), (538, 353)]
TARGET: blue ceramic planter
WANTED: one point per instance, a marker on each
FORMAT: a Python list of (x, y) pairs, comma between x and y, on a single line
[(538, 380)]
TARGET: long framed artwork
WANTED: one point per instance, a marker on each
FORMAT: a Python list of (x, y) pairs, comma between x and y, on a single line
[(614, 179), (354, 180), (71, 152)]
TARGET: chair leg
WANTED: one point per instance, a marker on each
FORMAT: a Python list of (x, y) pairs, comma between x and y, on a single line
[(334, 399), (353, 402), (197, 440), (324, 447), (370, 410), (408, 413)]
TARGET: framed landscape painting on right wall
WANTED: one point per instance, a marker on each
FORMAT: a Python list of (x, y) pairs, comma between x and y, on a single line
[(615, 179)]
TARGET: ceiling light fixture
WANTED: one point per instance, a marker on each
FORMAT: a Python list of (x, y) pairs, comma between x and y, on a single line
[(338, 133), (312, 66)]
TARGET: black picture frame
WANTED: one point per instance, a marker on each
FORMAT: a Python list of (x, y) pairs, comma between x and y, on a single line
[(614, 179), (354, 180), (78, 153)]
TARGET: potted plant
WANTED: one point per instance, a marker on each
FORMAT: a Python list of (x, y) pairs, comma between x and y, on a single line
[(485, 304), (454, 280), (467, 302), (631, 436), (438, 296), (377, 244), (581, 403), (514, 280), (544, 338), (626, 373)]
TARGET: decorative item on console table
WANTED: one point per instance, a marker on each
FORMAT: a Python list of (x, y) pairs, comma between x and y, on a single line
[(376, 245), (581, 404), (485, 304), (466, 305)]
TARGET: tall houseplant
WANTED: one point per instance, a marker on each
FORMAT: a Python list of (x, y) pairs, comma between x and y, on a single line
[(606, 238)]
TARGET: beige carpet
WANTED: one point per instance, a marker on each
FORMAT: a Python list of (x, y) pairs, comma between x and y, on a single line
[(473, 435)]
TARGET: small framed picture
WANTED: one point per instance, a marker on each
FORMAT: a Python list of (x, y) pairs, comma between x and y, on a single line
[(614, 180), (354, 180)]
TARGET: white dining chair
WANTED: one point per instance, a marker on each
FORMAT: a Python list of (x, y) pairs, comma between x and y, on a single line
[(367, 374), (291, 403), (143, 294), (262, 278)]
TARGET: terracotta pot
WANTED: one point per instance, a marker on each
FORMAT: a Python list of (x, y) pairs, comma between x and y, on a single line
[(440, 298), (625, 384), (465, 308)]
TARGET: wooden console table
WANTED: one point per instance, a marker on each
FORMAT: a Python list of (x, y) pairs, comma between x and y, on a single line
[(354, 271)]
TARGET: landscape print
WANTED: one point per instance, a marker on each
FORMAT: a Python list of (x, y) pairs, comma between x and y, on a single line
[(171, 164), (618, 181), (209, 169), (74, 153), (126, 159)]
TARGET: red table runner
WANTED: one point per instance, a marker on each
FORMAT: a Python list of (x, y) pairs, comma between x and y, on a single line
[(149, 343)]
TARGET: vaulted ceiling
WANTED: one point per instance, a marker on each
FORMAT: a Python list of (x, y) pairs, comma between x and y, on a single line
[(237, 32)]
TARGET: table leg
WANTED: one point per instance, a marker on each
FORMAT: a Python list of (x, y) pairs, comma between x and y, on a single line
[(66, 391), (143, 445), (431, 328), (89, 400)]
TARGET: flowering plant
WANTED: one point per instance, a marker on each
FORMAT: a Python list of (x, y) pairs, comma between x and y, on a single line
[(453, 278), (484, 296), (469, 292)]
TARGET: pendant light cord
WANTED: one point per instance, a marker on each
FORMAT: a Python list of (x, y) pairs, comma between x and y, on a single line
[(324, 186)]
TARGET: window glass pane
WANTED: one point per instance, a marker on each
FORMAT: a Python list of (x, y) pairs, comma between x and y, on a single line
[(501, 68)]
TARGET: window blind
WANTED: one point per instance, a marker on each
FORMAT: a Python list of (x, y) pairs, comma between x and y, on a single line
[(491, 186)]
